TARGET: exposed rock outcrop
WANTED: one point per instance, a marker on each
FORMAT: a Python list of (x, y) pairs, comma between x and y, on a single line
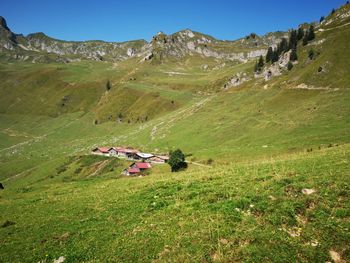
[(237, 80), (178, 45)]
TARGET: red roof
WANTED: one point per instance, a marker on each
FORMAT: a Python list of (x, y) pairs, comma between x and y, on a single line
[(103, 149), (143, 165), (133, 170), (125, 150)]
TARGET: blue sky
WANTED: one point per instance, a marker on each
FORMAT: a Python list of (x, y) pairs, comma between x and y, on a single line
[(127, 20)]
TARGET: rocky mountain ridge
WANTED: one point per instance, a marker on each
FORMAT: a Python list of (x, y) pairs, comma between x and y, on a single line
[(38, 47)]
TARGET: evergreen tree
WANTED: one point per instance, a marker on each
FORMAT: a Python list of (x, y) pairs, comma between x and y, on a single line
[(333, 11), (311, 54), (300, 33), (293, 55), (269, 55), (275, 56), (293, 39), (306, 38), (311, 33), (261, 63), (289, 65), (321, 19), (256, 68), (283, 46)]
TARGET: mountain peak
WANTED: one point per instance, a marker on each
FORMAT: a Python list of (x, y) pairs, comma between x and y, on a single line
[(3, 23)]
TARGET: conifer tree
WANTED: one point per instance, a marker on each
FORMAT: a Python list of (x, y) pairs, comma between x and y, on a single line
[(293, 39), (311, 54), (256, 68), (261, 62), (282, 47), (275, 56), (293, 55), (300, 33), (269, 55), (311, 33), (305, 39)]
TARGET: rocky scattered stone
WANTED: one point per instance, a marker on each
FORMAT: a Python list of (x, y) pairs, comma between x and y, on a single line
[(272, 197), (205, 67), (256, 53), (188, 33), (236, 80), (149, 56), (336, 256), (61, 259), (130, 52), (191, 46), (223, 241), (307, 191), (314, 243)]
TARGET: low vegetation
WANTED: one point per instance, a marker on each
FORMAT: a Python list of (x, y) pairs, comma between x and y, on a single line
[(267, 161)]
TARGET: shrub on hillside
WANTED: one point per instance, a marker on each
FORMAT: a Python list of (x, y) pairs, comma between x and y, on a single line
[(108, 85), (177, 161)]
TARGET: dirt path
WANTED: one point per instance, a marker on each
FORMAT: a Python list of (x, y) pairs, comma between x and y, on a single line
[(306, 87), (39, 138), (160, 129), (328, 29)]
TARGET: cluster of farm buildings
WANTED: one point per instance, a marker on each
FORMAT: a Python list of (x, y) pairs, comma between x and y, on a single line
[(142, 161)]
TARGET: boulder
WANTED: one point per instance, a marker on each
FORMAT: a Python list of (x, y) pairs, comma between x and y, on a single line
[(130, 52)]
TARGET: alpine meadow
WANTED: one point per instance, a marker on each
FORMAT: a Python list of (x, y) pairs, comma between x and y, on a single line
[(184, 148)]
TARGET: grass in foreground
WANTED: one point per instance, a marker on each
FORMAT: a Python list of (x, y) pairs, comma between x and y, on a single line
[(250, 212)]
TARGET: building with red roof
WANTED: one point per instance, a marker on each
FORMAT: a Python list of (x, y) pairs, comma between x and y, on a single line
[(102, 150), (142, 166)]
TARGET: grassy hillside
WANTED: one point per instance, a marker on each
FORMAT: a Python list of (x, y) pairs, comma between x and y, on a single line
[(225, 214), (252, 149)]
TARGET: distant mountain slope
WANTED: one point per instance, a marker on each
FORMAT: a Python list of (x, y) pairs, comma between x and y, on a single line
[(148, 80), (37, 46)]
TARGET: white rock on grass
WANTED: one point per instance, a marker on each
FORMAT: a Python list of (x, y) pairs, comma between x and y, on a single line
[(336, 257), (61, 259), (307, 191)]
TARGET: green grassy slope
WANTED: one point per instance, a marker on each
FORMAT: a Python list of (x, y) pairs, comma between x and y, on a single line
[(226, 214), (266, 140)]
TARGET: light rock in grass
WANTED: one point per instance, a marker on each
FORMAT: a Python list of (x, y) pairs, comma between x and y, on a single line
[(272, 197), (236, 80), (61, 259), (130, 52), (336, 257), (223, 241), (314, 243), (307, 191), (294, 231), (215, 257)]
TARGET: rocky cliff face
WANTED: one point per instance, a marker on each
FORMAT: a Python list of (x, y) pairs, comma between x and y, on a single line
[(39, 46), (36, 45), (191, 43)]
